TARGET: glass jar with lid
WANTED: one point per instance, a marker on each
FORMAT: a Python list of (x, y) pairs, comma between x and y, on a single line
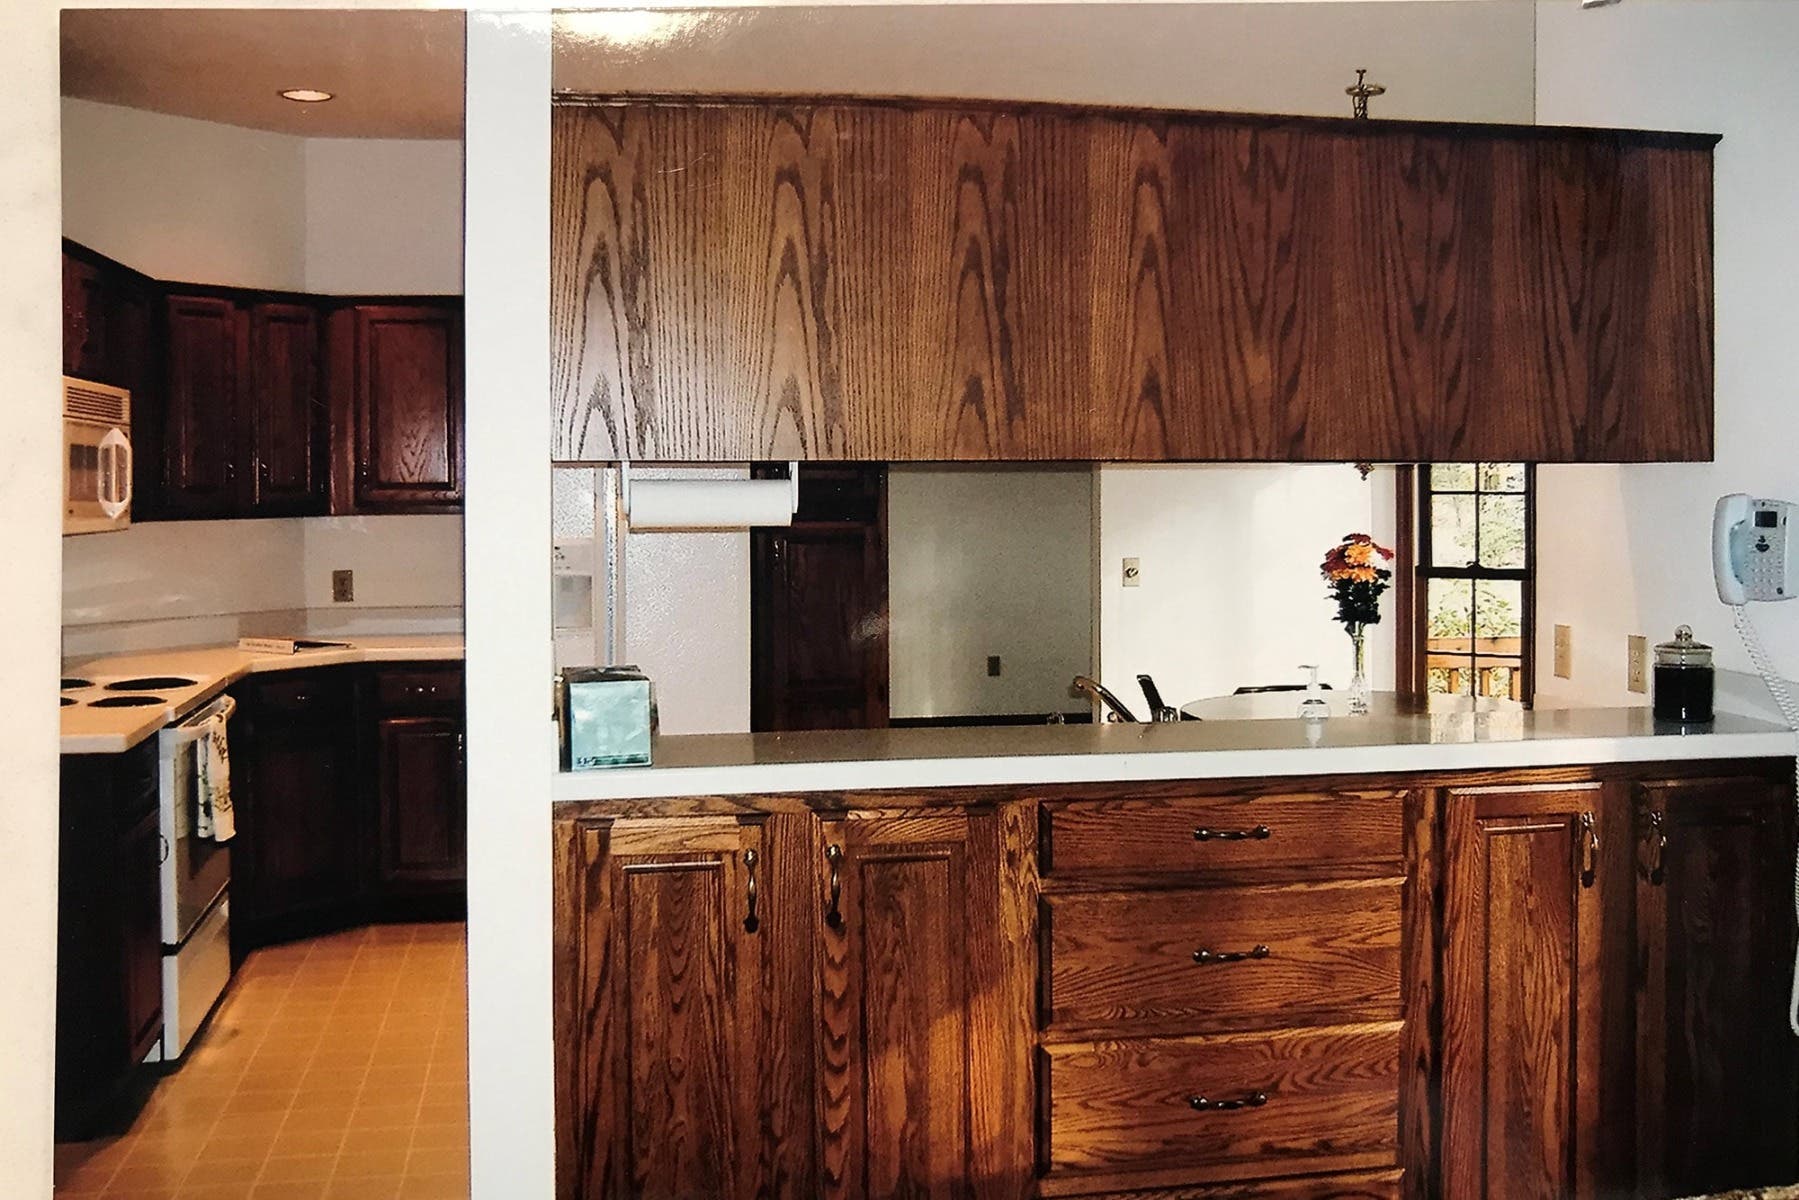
[(1684, 679)]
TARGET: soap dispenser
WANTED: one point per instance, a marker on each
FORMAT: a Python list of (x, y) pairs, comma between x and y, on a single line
[(1314, 707)]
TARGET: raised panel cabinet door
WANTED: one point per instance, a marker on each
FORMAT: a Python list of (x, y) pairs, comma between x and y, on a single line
[(287, 411), (424, 821), (201, 430), (1529, 873), (408, 410), (925, 975), (1717, 1075), (140, 869), (684, 1018)]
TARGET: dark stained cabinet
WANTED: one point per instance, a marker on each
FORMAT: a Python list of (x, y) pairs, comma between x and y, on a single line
[(83, 320), (1717, 1073), (683, 976), (287, 410), (201, 428), (407, 402), (914, 280), (418, 781)]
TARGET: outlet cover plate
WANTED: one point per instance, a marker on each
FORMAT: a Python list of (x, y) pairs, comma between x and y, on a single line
[(993, 666), (343, 587), (1637, 670), (1564, 652)]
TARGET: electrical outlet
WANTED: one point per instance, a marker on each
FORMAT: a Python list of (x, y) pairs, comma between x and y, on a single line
[(343, 587), (1564, 652), (1637, 673), (993, 665), (1133, 573)]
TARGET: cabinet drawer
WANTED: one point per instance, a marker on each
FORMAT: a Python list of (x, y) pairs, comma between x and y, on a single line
[(1223, 958), (1188, 833), (1231, 1106), (314, 695), (420, 688)]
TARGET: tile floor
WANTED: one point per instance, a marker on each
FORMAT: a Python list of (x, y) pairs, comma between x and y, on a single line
[(335, 1068)]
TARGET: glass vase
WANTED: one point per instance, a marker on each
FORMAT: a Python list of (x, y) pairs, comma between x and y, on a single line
[(1358, 686)]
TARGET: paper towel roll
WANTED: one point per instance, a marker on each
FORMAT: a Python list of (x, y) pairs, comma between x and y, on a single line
[(709, 503)]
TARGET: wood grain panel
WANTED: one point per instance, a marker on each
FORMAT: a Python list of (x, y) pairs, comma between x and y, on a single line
[(287, 411), (1331, 1102), (1522, 993), (199, 436), (1715, 944), (408, 389), (1126, 961), (1162, 833), (1360, 1185)]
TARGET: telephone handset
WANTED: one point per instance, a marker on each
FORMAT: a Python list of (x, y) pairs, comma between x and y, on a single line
[(1752, 549)]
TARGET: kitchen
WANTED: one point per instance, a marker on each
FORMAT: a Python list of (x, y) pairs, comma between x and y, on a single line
[(1562, 598)]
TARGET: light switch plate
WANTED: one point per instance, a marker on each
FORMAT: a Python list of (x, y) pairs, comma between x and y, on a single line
[(1564, 652), (1133, 573), (343, 587), (1637, 672)]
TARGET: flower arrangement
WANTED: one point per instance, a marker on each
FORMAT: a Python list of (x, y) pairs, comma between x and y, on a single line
[(1357, 579)]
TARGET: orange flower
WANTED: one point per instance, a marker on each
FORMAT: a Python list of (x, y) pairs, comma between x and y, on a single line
[(1359, 553)]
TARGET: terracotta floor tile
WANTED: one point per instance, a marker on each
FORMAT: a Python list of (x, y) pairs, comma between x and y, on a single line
[(310, 1190), (298, 1169), (389, 1162)]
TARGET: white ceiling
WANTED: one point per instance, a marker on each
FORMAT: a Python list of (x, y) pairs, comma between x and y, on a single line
[(393, 74)]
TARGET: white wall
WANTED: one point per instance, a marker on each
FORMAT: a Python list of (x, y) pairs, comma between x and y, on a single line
[(1625, 550), (185, 200), (985, 561), (1230, 593), (383, 216)]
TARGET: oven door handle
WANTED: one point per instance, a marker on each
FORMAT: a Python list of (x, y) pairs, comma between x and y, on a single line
[(201, 723), (115, 501)]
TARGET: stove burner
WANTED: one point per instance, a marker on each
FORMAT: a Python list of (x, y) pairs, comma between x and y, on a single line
[(65, 701), (68, 683), (126, 701), (149, 683)]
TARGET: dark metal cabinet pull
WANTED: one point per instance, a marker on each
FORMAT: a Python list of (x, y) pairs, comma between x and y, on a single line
[(1589, 849), (1202, 1104), (1658, 847), (1203, 956), (751, 922), (834, 913), (1260, 833)]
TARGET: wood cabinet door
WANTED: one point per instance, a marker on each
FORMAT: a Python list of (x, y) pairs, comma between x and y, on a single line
[(1718, 1088), (200, 434), (286, 412), (423, 817), (83, 320), (925, 973), (140, 873), (684, 1015), (408, 410), (1532, 881)]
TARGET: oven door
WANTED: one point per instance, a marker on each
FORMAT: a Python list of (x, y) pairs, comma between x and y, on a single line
[(197, 870), (96, 477)]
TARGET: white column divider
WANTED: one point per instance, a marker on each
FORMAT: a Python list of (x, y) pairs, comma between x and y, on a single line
[(511, 742)]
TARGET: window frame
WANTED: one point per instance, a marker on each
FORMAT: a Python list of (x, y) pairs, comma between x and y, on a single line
[(1413, 552)]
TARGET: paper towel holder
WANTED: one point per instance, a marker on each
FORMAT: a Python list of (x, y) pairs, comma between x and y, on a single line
[(793, 499)]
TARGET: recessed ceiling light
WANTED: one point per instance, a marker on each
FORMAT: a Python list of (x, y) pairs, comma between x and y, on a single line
[(305, 95)]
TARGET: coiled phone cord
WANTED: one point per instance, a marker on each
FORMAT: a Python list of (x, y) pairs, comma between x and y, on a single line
[(1789, 712)]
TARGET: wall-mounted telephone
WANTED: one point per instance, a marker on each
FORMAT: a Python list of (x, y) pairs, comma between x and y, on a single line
[(1753, 549)]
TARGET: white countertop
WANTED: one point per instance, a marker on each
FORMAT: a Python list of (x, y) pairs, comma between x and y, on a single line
[(744, 763), (88, 730)]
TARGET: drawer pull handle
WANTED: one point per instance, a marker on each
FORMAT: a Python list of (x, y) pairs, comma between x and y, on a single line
[(751, 922), (1202, 1104), (1658, 848), (1260, 833), (1589, 849), (834, 913), (1204, 957)]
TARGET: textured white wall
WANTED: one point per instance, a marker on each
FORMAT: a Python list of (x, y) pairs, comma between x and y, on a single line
[(185, 200), (987, 562), (383, 216), (1625, 550), (1230, 593)]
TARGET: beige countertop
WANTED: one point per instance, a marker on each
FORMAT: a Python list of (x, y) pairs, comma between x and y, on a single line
[(747, 763), (88, 730)]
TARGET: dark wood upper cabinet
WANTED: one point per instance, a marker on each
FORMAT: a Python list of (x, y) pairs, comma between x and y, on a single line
[(288, 415), (202, 429), (407, 402), (914, 280), (1717, 1073), (83, 320)]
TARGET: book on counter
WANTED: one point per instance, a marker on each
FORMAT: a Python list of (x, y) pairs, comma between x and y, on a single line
[(275, 645)]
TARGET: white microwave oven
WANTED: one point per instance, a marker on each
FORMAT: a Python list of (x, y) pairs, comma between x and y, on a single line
[(96, 459)]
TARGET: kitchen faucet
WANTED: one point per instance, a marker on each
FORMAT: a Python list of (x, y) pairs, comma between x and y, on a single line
[(1099, 692)]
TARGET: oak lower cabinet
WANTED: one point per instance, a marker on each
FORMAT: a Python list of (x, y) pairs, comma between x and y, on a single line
[(789, 1006), (1716, 1097)]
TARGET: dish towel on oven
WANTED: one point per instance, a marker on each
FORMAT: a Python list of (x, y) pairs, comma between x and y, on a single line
[(213, 817)]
